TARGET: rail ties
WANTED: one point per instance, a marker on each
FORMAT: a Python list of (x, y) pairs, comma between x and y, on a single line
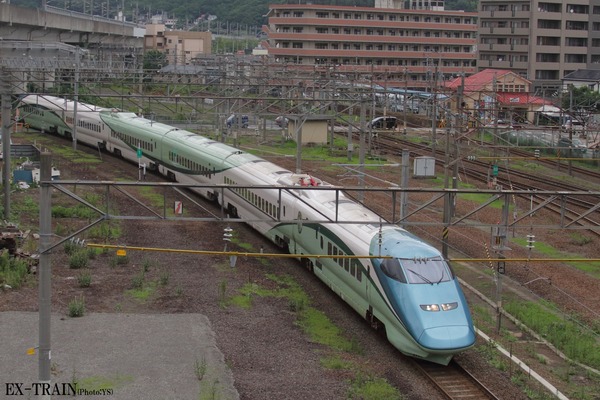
[(455, 382)]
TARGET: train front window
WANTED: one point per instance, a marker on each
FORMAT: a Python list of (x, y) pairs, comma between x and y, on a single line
[(430, 271), (391, 267)]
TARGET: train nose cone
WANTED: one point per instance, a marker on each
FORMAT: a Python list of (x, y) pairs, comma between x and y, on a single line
[(447, 337)]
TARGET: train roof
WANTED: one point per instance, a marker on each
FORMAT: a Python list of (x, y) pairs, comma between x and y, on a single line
[(59, 103), (221, 153)]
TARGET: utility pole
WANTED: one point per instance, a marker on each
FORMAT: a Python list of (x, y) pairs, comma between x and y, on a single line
[(76, 96), (405, 99), (361, 150), (6, 123), (45, 268)]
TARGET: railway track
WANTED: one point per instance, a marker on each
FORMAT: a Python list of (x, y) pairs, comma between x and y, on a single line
[(579, 210), (454, 382)]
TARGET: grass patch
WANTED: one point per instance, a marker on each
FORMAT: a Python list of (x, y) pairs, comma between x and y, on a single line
[(85, 279), (13, 272), (577, 344), (589, 267), (142, 293), (77, 307), (372, 388), (79, 259)]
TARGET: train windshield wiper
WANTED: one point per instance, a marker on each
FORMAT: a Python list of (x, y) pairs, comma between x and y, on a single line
[(420, 276), (441, 278)]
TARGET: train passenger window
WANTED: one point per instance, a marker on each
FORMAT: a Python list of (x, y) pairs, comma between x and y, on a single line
[(353, 268), (391, 267), (321, 242)]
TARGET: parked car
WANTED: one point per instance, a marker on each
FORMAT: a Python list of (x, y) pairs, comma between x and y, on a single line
[(232, 120), (575, 145), (387, 122)]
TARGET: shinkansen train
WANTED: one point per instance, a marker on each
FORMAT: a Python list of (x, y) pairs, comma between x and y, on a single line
[(406, 288)]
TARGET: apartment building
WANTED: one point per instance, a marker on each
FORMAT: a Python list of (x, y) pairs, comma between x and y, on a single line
[(180, 47), (408, 46), (542, 41)]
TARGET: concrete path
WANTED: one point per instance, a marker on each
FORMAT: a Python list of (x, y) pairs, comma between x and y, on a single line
[(137, 356)]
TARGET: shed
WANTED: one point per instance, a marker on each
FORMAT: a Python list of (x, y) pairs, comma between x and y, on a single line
[(310, 128)]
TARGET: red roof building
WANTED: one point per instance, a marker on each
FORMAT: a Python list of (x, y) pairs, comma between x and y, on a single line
[(494, 94)]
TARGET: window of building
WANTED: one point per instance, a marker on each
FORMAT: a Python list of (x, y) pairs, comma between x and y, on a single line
[(576, 42), (298, 29), (577, 25), (298, 14), (548, 24), (321, 14), (369, 31), (576, 58), (335, 30), (347, 16), (393, 18), (322, 30), (357, 31), (370, 16), (369, 47), (357, 16), (356, 46), (321, 46), (297, 45), (347, 31)]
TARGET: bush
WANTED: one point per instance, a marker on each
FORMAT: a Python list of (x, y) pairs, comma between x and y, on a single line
[(77, 307), (13, 272), (85, 279), (79, 259)]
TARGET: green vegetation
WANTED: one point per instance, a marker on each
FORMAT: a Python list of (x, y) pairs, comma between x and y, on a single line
[(320, 330), (79, 259), (13, 271), (85, 279), (77, 307), (578, 344), (590, 267)]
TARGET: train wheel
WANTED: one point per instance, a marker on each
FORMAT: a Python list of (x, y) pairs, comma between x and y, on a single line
[(232, 211), (373, 320), (308, 265)]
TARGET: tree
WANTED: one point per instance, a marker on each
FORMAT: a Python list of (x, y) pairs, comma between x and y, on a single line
[(581, 102), (154, 60)]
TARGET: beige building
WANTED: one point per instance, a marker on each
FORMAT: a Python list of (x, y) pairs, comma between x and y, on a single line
[(541, 40), (180, 47), (402, 45)]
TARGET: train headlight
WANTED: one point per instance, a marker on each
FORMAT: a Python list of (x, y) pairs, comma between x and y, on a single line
[(430, 307), (449, 306)]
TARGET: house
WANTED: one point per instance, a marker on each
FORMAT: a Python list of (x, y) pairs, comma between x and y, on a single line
[(492, 95)]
